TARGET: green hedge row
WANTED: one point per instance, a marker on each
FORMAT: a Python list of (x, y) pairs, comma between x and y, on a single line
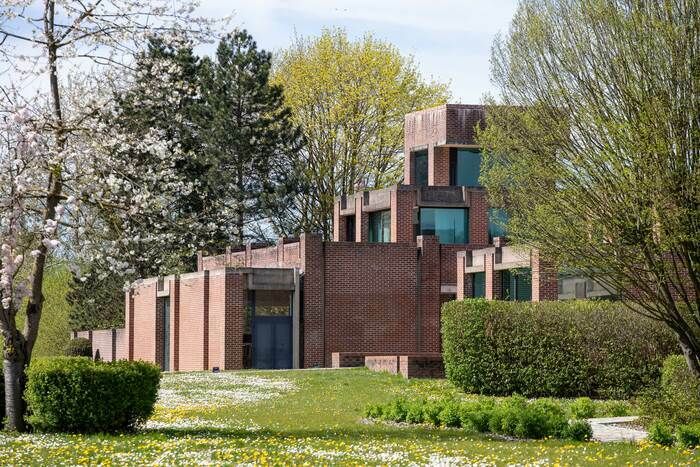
[(75, 394), (514, 416), (676, 399), (561, 348)]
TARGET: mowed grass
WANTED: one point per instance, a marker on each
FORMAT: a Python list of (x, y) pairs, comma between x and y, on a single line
[(306, 416)]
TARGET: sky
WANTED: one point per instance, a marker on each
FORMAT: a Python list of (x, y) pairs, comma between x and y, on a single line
[(449, 39)]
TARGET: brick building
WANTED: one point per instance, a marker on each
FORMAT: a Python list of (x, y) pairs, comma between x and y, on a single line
[(375, 289)]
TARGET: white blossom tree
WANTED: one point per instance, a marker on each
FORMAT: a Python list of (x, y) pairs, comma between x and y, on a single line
[(58, 163)]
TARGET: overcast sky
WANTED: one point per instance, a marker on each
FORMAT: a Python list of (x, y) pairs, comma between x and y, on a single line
[(450, 39)]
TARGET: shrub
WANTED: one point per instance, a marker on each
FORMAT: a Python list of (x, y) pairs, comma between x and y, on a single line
[(431, 412), (614, 409), (395, 411), (561, 349), (688, 436), (676, 400), (449, 415), (579, 430), (79, 347), (374, 411), (414, 411), (75, 394), (583, 407), (660, 433)]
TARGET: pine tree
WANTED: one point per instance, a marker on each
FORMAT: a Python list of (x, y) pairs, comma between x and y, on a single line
[(249, 136)]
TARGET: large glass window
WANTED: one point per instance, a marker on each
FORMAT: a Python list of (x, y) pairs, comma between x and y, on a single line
[(420, 167), (498, 219), (450, 225), (465, 166), (380, 226), (479, 285), (516, 285)]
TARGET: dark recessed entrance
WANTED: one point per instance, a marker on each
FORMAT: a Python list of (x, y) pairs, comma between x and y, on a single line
[(270, 315)]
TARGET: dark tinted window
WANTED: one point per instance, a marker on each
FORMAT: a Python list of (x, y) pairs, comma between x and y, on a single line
[(380, 226), (465, 165), (420, 167), (450, 225)]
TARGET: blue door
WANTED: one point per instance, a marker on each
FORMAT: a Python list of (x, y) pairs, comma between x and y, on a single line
[(272, 342)]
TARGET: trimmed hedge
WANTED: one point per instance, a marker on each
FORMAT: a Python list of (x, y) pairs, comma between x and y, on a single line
[(676, 399), (561, 349), (79, 347), (514, 416), (75, 394)]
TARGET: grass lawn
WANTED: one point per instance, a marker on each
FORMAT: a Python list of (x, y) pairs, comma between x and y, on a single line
[(306, 416)]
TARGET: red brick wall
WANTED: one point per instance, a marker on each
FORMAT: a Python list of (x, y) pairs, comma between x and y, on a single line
[(386, 363), (217, 329), (279, 255), (439, 166), (144, 322), (370, 301), (191, 323), (462, 121), (110, 342), (235, 302), (313, 320), (402, 203), (492, 277), (430, 282), (478, 219), (544, 279)]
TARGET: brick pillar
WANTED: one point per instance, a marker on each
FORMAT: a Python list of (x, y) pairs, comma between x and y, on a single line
[(160, 330), (409, 175), (175, 324), (129, 300), (428, 319), (361, 220), (114, 345), (438, 166), (199, 260), (493, 279), (464, 283), (234, 317), (544, 278), (280, 251), (339, 227), (478, 218), (205, 322), (248, 255), (402, 204), (314, 333)]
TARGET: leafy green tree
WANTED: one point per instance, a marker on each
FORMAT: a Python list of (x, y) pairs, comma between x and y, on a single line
[(248, 135), (594, 147), (350, 98)]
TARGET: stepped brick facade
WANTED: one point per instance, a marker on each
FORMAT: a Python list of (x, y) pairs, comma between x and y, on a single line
[(374, 289)]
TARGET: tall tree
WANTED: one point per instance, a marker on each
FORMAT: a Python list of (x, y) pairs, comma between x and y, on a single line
[(51, 163), (248, 135), (350, 98), (594, 148)]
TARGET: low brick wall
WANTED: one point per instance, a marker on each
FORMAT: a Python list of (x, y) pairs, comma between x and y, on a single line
[(110, 342), (388, 363), (355, 359), (427, 365)]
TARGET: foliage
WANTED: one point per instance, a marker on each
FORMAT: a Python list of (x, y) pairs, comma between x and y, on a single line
[(661, 433), (676, 399), (514, 416), (688, 436), (595, 156), (563, 349), (583, 407), (79, 347), (96, 302), (75, 394), (350, 98), (579, 430)]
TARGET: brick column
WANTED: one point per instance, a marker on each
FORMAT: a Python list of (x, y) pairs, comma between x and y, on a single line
[(544, 278), (438, 166), (339, 225), (314, 333), (464, 283), (205, 322), (478, 218), (361, 220), (409, 175), (428, 319), (129, 300), (402, 204), (493, 287), (234, 317), (175, 324)]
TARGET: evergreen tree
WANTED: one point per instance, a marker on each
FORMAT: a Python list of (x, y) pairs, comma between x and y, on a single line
[(249, 137)]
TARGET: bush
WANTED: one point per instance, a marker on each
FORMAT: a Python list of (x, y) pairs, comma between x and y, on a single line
[(660, 433), (561, 349), (79, 347), (583, 407), (395, 411), (579, 430), (75, 394), (676, 400), (414, 412), (431, 412), (688, 436), (614, 409), (449, 415)]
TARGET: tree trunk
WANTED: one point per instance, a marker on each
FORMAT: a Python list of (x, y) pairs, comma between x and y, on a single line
[(691, 354), (15, 381)]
